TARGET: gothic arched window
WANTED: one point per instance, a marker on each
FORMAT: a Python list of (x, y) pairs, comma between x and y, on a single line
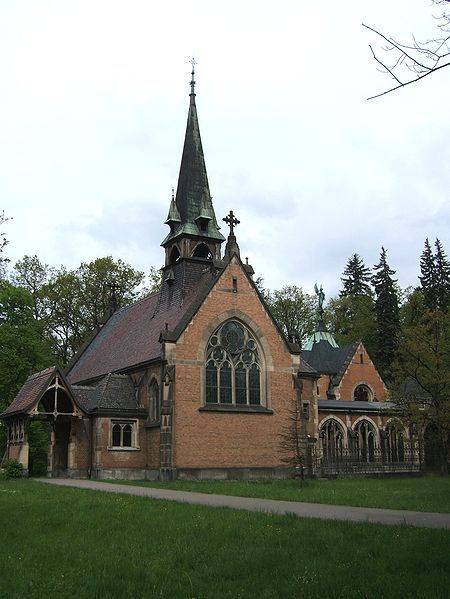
[(395, 442), (365, 440), (332, 435), (233, 366), (154, 410)]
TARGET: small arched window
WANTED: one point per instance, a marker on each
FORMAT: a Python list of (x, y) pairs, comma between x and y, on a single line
[(202, 251), (174, 255), (362, 393), (154, 410), (233, 366)]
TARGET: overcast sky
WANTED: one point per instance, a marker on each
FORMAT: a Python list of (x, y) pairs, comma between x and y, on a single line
[(93, 108)]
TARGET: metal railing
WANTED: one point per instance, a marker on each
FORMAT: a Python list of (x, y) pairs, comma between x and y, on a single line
[(349, 462)]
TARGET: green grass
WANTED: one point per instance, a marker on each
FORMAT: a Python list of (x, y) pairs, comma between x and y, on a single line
[(61, 542), (422, 494)]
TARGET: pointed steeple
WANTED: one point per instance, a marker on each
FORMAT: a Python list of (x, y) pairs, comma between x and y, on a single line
[(191, 215)]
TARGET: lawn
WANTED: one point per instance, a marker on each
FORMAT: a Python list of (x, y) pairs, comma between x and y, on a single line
[(61, 542), (421, 494)]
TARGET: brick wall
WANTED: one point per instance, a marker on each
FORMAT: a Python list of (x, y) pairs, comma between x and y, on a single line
[(230, 440), (362, 373)]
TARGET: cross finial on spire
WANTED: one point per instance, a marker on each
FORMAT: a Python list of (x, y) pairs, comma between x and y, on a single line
[(231, 221), (193, 63)]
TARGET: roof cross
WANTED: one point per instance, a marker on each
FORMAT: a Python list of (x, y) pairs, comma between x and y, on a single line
[(193, 63), (231, 221)]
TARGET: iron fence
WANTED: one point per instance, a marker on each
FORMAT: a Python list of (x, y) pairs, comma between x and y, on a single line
[(349, 462)]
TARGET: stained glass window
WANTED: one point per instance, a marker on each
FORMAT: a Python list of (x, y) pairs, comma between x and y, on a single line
[(233, 372)]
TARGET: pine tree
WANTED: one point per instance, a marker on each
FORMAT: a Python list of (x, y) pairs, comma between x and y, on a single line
[(356, 278), (386, 313), (435, 277), (428, 276), (442, 277)]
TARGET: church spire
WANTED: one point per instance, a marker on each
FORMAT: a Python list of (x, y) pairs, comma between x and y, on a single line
[(191, 216)]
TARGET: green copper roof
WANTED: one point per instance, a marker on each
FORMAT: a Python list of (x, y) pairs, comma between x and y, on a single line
[(319, 336), (193, 200)]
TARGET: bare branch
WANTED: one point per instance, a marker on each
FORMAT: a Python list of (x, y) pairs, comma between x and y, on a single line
[(442, 66)]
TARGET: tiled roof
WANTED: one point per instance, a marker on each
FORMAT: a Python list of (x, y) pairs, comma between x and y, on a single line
[(306, 369), (31, 391), (329, 360), (114, 392), (131, 336)]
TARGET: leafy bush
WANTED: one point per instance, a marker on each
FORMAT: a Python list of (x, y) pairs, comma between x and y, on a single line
[(12, 469)]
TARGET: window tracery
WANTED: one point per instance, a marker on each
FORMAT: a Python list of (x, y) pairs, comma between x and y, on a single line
[(233, 366), (332, 435)]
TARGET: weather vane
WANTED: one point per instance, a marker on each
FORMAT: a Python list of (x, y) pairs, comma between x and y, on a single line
[(193, 63)]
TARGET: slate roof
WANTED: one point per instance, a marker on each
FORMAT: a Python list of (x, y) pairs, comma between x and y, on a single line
[(193, 198), (336, 405), (132, 335), (306, 370), (330, 360), (114, 392)]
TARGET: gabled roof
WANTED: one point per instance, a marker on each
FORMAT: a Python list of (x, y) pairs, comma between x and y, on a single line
[(131, 336), (33, 389)]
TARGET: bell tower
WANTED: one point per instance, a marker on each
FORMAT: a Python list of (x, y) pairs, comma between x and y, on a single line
[(194, 232)]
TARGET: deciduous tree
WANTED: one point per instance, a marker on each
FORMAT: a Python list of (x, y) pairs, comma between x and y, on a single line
[(422, 392), (294, 310), (411, 61)]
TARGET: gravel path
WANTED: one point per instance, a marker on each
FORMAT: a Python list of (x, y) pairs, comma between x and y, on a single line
[(303, 510)]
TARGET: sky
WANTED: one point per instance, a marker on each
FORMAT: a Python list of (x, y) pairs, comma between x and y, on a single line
[(93, 109)]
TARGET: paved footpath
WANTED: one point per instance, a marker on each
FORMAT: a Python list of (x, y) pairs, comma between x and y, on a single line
[(303, 510)]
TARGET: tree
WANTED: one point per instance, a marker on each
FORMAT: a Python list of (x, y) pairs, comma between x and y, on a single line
[(442, 266), (293, 438), (154, 281), (351, 318), (410, 62), (435, 277), (23, 347), (294, 310), (31, 274), (3, 243), (356, 278), (386, 313), (428, 276), (422, 390), (78, 302)]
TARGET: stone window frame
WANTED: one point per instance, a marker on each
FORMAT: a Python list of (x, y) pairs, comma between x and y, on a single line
[(154, 400), (123, 423), (259, 360), (367, 388), (334, 446)]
